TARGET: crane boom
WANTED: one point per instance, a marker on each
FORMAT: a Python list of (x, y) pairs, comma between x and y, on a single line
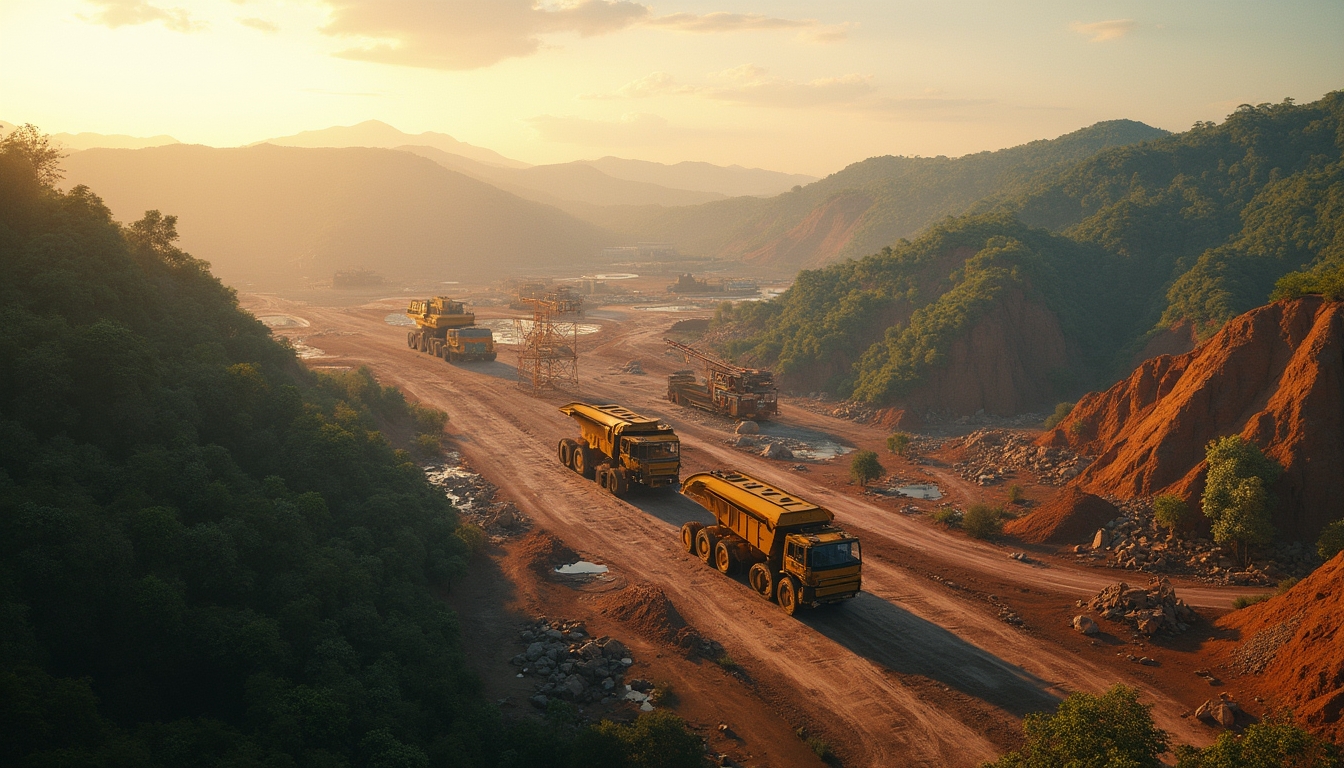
[(729, 389), (706, 358)]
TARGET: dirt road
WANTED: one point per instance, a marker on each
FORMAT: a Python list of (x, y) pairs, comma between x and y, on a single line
[(849, 669)]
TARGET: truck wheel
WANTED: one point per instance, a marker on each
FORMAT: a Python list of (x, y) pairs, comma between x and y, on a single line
[(688, 533), (618, 482), (566, 451), (583, 462), (410, 339), (602, 474), (762, 580), (788, 594), (490, 358), (704, 546), (723, 558)]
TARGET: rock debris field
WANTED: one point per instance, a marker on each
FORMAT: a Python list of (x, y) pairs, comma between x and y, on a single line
[(571, 666)]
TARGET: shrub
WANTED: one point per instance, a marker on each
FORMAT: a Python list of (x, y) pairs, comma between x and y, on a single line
[(947, 516), (898, 443), (1015, 494), (1061, 412), (1331, 542), (865, 468), (1274, 742), (1243, 601), (1236, 496), (983, 521), (1107, 731), (1171, 511), (657, 739)]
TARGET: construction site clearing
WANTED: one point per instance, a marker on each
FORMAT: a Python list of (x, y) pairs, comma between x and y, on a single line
[(948, 645)]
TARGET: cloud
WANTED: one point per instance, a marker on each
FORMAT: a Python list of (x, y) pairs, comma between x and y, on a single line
[(722, 21), (652, 84), (259, 24), (124, 13), (749, 84), (1101, 31), (466, 34), (634, 129)]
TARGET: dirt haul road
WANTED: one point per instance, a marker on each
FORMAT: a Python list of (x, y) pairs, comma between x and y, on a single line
[(846, 668)]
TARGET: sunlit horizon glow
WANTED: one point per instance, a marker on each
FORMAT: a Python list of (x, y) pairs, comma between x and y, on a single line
[(795, 85)]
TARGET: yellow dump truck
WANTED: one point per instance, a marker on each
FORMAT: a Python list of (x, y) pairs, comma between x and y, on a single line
[(444, 328), (789, 547), (617, 447)]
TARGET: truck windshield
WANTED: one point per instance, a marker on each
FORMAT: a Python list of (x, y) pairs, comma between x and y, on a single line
[(660, 450), (835, 555)]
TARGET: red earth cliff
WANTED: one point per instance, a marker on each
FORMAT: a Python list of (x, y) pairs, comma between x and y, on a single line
[(1274, 375)]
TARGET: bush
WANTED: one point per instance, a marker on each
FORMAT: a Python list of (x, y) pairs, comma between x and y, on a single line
[(1171, 512), (1236, 496), (1113, 730), (898, 443), (657, 739), (947, 516), (983, 521), (1243, 601), (1331, 541), (865, 468), (1015, 494), (1061, 412), (1275, 742)]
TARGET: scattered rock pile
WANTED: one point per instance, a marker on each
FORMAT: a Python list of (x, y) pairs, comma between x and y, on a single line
[(1221, 711), (995, 454), (474, 498), (1134, 541), (779, 448), (570, 665), (1147, 611), (633, 368)]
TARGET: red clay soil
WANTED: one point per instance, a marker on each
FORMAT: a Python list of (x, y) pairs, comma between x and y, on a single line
[(1072, 517), (1305, 672), (646, 609), (1002, 366), (1274, 375)]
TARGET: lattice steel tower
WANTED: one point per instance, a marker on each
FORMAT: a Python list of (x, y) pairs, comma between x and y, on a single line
[(549, 356)]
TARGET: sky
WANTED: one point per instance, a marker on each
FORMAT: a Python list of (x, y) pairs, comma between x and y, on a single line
[(792, 85)]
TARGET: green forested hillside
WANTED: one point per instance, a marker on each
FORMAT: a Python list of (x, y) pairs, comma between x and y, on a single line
[(864, 207), (1195, 227), (208, 556)]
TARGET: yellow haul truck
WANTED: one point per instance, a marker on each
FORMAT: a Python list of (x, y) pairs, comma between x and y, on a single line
[(792, 552), (617, 447), (444, 328)]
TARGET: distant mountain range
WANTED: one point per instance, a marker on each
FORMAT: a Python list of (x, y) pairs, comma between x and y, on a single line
[(375, 133), (866, 206), (81, 141), (277, 216)]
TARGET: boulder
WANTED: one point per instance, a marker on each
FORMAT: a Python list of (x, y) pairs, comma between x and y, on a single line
[(1101, 540), (1085, 624), (776, 451), (747, 428)]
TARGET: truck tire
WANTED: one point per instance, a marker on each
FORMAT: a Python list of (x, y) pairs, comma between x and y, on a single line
[(410, 339), (724, 559), (584, 461), (602, 475), (704, 546), (566, 451), (618, 482), (762, 579), (688, 533), (490, 358), (787, 596)]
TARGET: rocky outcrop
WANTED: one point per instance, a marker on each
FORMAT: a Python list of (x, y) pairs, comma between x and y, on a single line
[(1147, 611), (1002, 366), (1274, 375)]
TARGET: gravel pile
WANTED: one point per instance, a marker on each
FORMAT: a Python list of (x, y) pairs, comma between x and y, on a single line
[(570, 665), (1252, 656), (992, 455)]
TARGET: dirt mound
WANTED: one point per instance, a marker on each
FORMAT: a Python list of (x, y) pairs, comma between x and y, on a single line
[(1295, 645), (648, 611), (543, 552), (1274, 375), (1072, 517)]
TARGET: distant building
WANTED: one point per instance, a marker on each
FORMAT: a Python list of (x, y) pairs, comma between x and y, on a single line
[(642, 252), (357, 278)]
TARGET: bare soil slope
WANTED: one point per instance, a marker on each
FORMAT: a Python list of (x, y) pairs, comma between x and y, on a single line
[(1294, 645), (1069, 518), (1274, 375)]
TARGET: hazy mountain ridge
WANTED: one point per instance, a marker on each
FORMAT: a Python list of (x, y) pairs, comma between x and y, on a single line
[(377, 134), (281, 215), (866, 206), (1189, 228)]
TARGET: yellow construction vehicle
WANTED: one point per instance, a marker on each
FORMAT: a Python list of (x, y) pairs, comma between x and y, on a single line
[(617, 447), (444, 328), (789, 547)]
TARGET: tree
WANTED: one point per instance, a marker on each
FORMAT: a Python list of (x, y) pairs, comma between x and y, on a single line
[(983, 521), (1235, 497), (1062, 412), (1171, 511), (865, 468), (1113, 730), (1276, 742), (33, 145), (1331, 541), (898, 443)]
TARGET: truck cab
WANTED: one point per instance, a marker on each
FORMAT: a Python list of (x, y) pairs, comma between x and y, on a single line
[(617, 447), (470, 343)]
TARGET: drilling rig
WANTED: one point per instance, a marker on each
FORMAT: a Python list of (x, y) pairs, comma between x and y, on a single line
[(742, 393)]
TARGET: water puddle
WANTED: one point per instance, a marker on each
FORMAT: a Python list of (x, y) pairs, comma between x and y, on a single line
[(581, 568), (612, 276), (455, 482), (283, 321), (397, 318), (673, 308), (821, 451), (920, 491), (506, 331)]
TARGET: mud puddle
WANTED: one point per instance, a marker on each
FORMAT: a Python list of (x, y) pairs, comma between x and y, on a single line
[(474, 498), (926, 491), (805, 444), (581, 568)]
